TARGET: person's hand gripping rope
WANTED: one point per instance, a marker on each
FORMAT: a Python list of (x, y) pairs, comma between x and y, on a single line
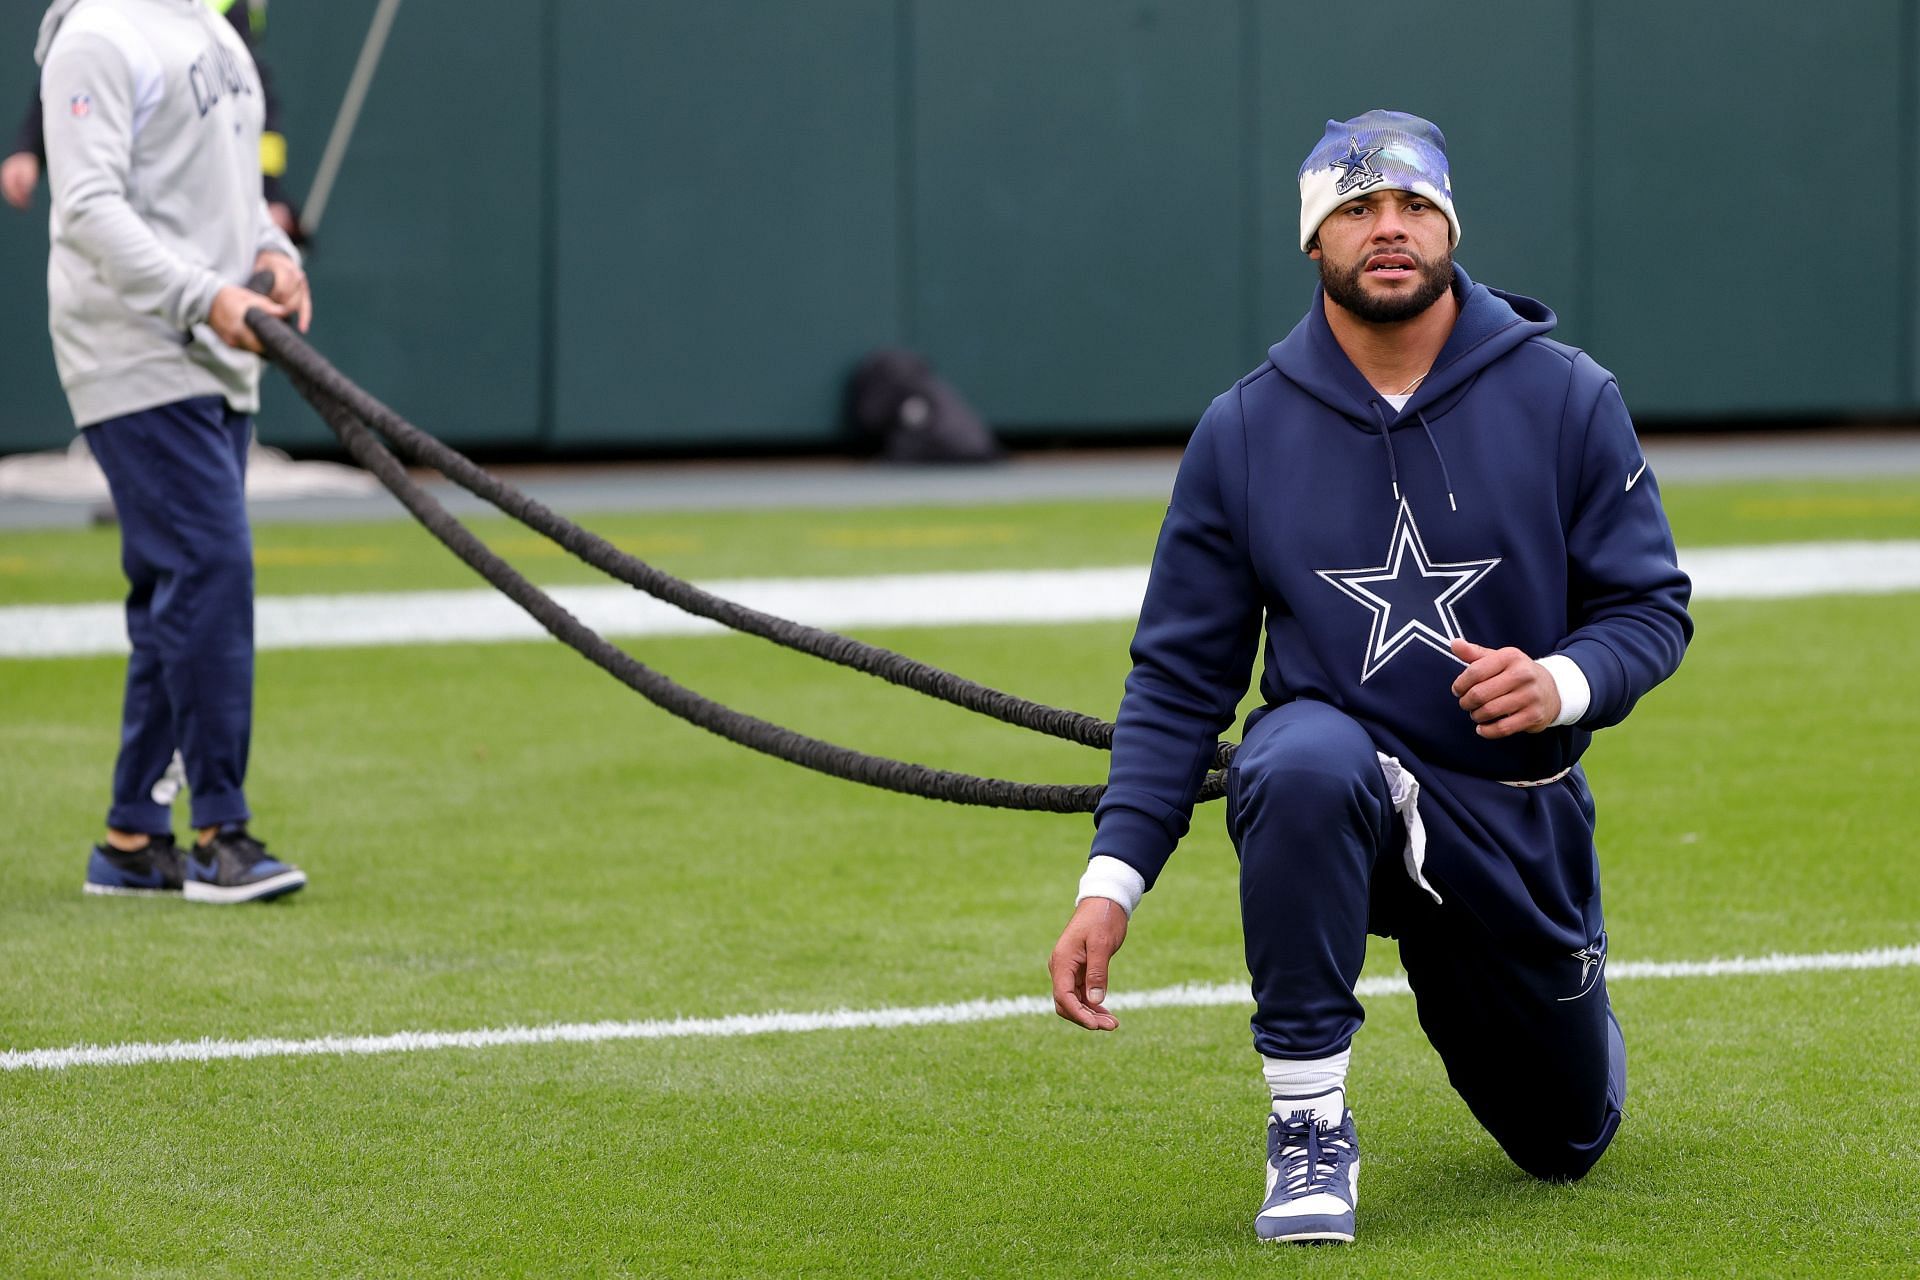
[(289, 299)]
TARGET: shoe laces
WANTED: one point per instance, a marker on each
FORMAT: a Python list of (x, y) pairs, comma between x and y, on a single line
[(1309, 1155), (246, 850)]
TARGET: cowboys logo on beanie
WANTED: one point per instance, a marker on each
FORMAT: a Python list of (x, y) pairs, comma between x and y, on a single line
[(1378, 151)]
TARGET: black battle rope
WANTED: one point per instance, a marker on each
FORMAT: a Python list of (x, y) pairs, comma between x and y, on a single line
[(759, 735), (422, 449)]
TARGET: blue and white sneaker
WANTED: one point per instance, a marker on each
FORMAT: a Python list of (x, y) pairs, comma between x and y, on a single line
[(234, 867), (1313, 1170), (143, 873)]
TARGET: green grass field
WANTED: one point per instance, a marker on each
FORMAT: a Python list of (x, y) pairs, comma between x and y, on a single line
[(500, 835)]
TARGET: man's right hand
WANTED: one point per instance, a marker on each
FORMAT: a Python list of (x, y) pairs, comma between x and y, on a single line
[(1080, 959), (19, 175), (228, 319)]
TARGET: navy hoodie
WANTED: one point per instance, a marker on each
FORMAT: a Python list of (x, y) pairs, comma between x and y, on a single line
[(1508, 503)]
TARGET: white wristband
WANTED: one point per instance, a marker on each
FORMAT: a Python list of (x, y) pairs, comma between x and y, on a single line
[(1111, 878), (1576, 695)]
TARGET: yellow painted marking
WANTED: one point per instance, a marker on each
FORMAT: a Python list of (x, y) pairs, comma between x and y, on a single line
[(1810, 508), (317, 557), (642, 545), (655, 543), (918, 537), (13, 564)]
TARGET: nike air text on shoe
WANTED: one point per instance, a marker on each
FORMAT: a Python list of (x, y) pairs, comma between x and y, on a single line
[(143, 873), (234, 867), (1313, 1170)]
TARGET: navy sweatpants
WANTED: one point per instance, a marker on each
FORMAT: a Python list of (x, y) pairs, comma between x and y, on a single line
[(177, 473), (1526, 1032)]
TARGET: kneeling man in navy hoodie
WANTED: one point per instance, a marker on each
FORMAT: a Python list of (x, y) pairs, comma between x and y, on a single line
[(1441, 524)]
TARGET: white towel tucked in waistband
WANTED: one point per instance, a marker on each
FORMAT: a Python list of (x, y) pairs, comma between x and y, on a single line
[(1405, 789)]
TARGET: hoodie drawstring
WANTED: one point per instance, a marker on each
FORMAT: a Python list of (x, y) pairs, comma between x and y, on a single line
[(1386, 438), (1393, 464), (1441, 458)]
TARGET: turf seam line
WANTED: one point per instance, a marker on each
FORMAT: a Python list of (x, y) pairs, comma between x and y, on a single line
[(1189, 995)]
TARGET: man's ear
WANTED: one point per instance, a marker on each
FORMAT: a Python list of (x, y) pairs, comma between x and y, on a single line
[(1313, 248)]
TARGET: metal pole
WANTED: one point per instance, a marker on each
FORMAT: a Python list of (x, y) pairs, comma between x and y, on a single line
[(349, 115)]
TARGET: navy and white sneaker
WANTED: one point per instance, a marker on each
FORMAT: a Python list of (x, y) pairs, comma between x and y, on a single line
[(143, 873), (234, 867), (1313, 1170)]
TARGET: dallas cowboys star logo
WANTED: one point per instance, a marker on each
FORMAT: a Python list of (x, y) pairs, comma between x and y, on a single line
[(1410, 596), (1360, 175), (1592, 960)]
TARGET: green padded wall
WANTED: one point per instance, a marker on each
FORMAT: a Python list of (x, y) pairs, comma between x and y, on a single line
[(428, 271), (33, 412), (1732, 162), (727, 216), (1077, 206), (605, 225)]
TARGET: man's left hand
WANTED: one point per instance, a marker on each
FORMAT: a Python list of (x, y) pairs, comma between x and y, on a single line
[(289, 286), (1505, 691)]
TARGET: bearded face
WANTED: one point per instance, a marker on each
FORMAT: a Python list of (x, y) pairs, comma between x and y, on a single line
[(1385, 286)]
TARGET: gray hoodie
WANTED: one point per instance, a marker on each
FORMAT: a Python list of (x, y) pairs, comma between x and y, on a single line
[(153, 116)]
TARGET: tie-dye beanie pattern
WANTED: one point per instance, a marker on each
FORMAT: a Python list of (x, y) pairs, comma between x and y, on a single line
[(1378, 151)]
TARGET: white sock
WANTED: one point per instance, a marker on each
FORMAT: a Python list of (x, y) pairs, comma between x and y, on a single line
[(1299, 1078)]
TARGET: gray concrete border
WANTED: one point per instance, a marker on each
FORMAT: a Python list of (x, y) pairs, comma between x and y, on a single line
[(1032, 476)]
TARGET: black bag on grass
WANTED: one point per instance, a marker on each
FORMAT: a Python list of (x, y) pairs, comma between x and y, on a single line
[(896, 402)]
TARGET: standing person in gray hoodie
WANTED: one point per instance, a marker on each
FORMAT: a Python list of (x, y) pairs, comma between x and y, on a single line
[(153, 113)]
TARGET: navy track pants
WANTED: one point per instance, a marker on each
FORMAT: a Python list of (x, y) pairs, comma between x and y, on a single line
[(177, 473), (1526, 1033)]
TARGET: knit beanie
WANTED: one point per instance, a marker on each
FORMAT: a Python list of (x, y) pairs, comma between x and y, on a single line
[(1378, 151)]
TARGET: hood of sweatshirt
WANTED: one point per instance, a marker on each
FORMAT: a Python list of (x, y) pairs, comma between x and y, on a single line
[(1491, 323), (57, 13), (49, 26)]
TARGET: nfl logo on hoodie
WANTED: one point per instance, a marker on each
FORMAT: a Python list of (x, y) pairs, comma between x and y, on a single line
[(81, 105)]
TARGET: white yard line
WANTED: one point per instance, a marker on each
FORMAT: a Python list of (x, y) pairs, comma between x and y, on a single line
[(1185, 996), (896, 600)]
